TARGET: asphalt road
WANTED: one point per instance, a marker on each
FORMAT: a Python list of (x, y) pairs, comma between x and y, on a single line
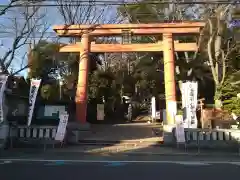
[(44, 169)]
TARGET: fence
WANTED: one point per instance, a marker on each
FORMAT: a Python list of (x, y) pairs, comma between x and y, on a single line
[(4, 131), (44, 135), (217, 138)]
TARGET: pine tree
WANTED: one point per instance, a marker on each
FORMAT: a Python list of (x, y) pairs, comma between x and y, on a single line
[(230, 91)]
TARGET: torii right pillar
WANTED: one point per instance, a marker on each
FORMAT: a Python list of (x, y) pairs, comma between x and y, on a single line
[(170, 84)]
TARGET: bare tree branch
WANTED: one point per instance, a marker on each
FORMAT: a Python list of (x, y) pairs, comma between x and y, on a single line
[(21, 28), (21, 69), (11, 4), (90, 13)]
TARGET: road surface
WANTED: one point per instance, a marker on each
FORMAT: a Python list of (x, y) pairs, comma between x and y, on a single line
[(117, 168)]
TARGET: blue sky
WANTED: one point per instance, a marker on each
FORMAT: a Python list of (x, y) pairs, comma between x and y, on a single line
[(52, 18)]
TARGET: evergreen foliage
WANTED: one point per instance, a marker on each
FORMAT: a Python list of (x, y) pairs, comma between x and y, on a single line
[(230, 91)]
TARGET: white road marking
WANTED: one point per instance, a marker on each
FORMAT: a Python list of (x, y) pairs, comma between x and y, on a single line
[(121, 161), (235, 163), (6, 162), (56, 163), (83, 161), (192, 163)]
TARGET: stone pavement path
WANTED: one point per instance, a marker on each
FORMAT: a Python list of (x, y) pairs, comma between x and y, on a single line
[(141, 132)]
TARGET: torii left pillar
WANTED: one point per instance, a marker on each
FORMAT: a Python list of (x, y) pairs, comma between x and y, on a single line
[(169, 78), (170, 87), (81, 93)]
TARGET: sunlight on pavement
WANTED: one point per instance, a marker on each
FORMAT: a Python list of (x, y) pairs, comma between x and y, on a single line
[(118, 148)]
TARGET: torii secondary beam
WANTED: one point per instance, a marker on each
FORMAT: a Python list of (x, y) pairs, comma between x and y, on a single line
[(147, 47)]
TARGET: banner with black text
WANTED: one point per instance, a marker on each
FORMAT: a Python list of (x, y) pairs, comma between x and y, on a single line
[(35, 84), (189, 95), (62, 126)]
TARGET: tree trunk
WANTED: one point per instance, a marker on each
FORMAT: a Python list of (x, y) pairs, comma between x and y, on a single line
[(217, 98), (218, 104)]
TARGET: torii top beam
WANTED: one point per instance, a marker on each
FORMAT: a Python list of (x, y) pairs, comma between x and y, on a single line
[(137, 29)]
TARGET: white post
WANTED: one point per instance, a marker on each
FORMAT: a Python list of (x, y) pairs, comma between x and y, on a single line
[(153, 108), (60, 88)]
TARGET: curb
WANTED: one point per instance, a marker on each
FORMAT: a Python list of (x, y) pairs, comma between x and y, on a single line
[(181, 154), (126, 153), (189, 154), (178, 152)]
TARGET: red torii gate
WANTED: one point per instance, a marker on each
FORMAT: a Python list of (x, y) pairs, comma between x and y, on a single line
[(167, 45)]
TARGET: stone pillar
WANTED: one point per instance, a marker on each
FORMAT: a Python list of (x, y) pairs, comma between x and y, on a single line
[(81, 93), (169, 78)]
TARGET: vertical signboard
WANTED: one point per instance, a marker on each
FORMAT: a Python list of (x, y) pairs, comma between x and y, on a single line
[(179, 133), (62, 126), (3, 83), (35, 84), (100, 112)]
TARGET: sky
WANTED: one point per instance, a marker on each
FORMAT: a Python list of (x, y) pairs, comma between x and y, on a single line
[(52, 18)]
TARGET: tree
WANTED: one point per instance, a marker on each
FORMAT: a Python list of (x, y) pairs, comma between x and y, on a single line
[(19, 30), (49, 64), (221, 48), (84, 12), (211, 62), (46, 59), (11, 4), (189, 66)]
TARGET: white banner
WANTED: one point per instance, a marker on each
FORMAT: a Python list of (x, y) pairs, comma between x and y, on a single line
[(62, 126), (3, 83), (100, 112), (35, 84), (190, 90)]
